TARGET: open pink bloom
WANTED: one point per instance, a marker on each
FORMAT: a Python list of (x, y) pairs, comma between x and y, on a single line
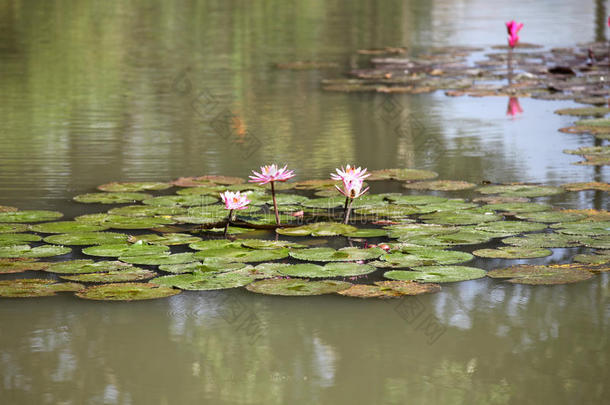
[(352, 188), (350, 173), (513, 29), (235, 201), (271, 173), (513, 107)]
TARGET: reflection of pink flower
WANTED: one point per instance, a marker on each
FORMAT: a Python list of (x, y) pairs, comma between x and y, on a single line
[(271, 173), (608, 21), (513, 29), (350, 173), (234, 201), (352, 188), (513, 107)]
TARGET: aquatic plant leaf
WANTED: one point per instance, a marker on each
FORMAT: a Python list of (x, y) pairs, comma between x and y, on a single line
[(27, 251), (87, 238), (30, 216), (325, 254), (287, 199), (327, 202), (436, 274), (157, 259), (416, 199), (206, 180), (460, 217), (269, 244), (242, 254), (7, 239), (507, 228), (422, 256), (147, 211), (518, 207), (297, 287), (542, 275), (549, 217), (309, 270), (521, 190), (440, 185), (395, 211), (409, 287), (203, 282), (127, 292), (123, 222), (13, 228), (402, 174), (180, 200), (318, 229), (111, 198), (583, 228), (370, 291), (596, 242), (66, 227), (410, 230), (591, 258), (584, 111), (542, 240), (113, 276), (33, 287), (85, 266), (593, 185), (19, 266), (214, 244), (125, 249), (367, 233), (208, 266), (167, 239), (133, 186), (465, 237), (512, 252)]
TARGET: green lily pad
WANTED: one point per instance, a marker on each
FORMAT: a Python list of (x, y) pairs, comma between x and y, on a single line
[(592, 185), (584, 228), (507, 228), (318, 229), (549, 217), (111, 198), (242, 254), (584, 112), (86, 238), (264, 219), (13, 228), (596, 242), (389, 289), (465, 237), (395, 211), (125, 249), (460, 217), (133, 187), (416, 199), (113, 276), (233, 230), (367, 233), (30, 216), (454, 204), (122, 222), (326, 203), (19, 266), (325, 254), (512, 252), (161, 258), (592, 258), (542, 275), (30, 252), (518, 207), (297, 287), (287, 199), (542, 240), (310, 270), (32, 287), (181, 200), (203, 282), (147, 211), (214, 266), (269, 244), (206, 180), (127, 292), (596, 122), (402, 174), (440, 185), (86, 266), (7, 239), (167, 239), (437, 274), (214, 244), (411, 230), (521, 190), (66, 227), (422, 256)]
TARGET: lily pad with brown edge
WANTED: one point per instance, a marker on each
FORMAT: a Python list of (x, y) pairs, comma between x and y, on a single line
[(180, 200), (13, 228), (112, 276), (325, 254), (318, 229), (521, 190), (125, 249), (329, 270), (583, 228), (518, 207), (549, 217), (371, 291), (87, 238), (33, 287), (402, 174), (205, 282), (600, 132), (592, 185), (30, 216), (85, 266), (66, 227), (158, 259), (8, 239), (542, 240), (147, 211), (512, 252), (462, 237), (242, 254), (440, 185), (542, 275), (167, 239), (584, 112), (269, 244), (508, 228), (132, 187), (27, 251), (590, 151), (297, 287), (111, 198), (409, 287), (17, 265), (127, 292), (460, 217), (325, 202), (436, 274)]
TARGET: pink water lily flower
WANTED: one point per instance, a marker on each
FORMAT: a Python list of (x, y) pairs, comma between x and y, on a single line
[(349, 172), (352, 188), (514, 108), (513, 29), (235, 201), (271, 173)]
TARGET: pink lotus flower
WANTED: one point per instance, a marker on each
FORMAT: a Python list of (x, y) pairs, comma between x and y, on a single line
[(349, 173), (513, 29), (235, 201), (271, 173), (513, 107), (352, 188)]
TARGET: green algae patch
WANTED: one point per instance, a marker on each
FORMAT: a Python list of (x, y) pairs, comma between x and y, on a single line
[(294, 287), (436, 274), (440, 185), (126, 292), (542, 275), (325, 254), (32, 287), (512, 252), (87, 238), (132, 187), (111, 198), (30, 216)]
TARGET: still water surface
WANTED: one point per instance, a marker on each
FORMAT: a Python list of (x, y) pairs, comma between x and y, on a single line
[(98, 91)]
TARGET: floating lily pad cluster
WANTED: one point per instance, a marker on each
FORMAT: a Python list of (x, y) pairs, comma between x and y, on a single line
[(151, 246)]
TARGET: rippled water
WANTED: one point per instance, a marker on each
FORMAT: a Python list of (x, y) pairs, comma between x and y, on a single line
[(98, 91)]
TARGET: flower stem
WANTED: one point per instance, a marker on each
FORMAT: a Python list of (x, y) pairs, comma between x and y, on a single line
[(510, 66), (277, 215), (228, 222), (348, 210)]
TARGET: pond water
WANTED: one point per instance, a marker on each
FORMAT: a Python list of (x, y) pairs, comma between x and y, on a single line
[(96, 91)]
